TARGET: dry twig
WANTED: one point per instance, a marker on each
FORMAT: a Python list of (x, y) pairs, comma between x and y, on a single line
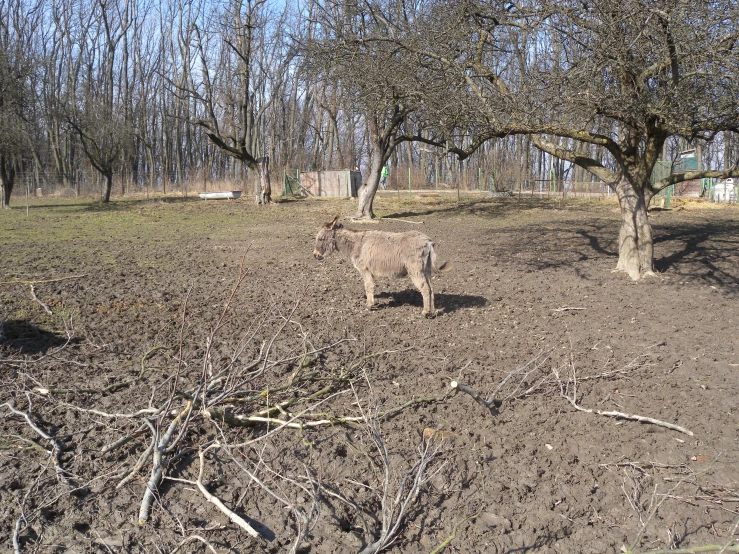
[(490, 404), (393, 509), (234, 517), (35, 298), (40, 281), (571, 397), (56, 447)]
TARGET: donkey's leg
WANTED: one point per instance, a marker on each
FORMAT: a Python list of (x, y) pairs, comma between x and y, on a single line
[(432, 309), (423, 284), (369, 288)]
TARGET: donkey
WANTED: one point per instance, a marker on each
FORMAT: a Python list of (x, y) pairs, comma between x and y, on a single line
[(384, 254)]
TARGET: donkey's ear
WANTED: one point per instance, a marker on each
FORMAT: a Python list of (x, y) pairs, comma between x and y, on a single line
[(334, 223)]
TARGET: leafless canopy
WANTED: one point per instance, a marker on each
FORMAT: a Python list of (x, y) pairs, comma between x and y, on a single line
[(599, 84)]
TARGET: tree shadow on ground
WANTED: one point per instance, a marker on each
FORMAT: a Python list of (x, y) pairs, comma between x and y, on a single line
[(447, 303), (49, 206), (126, 205), (28, 339), (481, 207), (399, 215), (595, 243), (705, 251)]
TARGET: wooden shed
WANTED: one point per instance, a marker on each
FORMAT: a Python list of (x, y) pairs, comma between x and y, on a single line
[(335, 183)]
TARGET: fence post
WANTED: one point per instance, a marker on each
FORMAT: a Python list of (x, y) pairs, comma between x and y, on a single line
[(551, 182)]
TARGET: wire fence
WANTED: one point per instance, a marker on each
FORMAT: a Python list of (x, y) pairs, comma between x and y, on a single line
[(480, 180), (89, 184), (86, 184)]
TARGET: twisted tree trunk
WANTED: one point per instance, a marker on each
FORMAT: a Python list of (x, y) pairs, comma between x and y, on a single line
[(635, 241), (366, 193), (7, 180), (264, 195)]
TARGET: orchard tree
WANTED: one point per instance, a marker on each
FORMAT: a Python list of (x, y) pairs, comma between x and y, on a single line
[(17, 66), (95, 110), (234, 62), (623, 76), (356, 48)]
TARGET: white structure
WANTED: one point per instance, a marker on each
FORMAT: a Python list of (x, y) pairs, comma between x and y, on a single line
[(724, 191), (220, 195)]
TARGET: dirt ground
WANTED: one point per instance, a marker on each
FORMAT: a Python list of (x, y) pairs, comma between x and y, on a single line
[(531, 313)]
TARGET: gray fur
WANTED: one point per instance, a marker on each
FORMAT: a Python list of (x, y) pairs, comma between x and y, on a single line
[(384, 254)]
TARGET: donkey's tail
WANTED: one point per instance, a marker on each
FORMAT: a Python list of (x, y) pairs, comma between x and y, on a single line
[(440, 268)]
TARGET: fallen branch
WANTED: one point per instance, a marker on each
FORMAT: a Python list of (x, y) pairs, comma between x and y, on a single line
[(302, 517), (56, 447), (137, 467), (490, 404), (427, 400), (622, 415), (110, 388), (123, 440), (446, 542), (41, 281), (234, 517), (697, 550), (396, 219), (572, 399), (23, 518), (150, 353), (393, 508), (566, 309), (727, 547), (237, 420), (158, 469), (44, 306)]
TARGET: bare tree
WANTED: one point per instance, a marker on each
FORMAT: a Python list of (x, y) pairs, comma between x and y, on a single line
[(96, 111), (356, 50), (17, 65), (623, 77), (241, 63)]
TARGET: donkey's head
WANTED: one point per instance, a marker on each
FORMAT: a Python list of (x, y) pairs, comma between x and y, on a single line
[(326, 239)]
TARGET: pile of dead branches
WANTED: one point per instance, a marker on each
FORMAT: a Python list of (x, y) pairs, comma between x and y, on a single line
[(206, 413)]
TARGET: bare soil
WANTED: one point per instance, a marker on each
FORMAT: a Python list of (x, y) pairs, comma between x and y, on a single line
[(137, 322)]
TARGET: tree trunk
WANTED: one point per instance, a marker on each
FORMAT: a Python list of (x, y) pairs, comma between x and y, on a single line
[(107, 187), (264, 196), (635, 243), (7, 180), (366, 193)]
